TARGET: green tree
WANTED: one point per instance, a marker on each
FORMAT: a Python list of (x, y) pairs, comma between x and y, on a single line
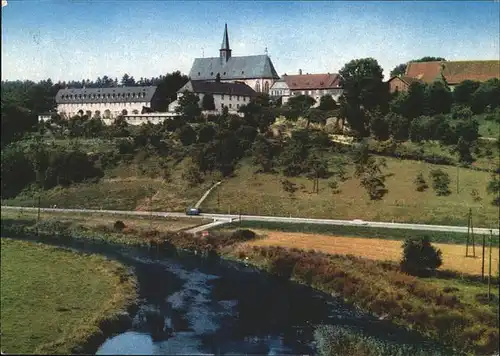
[(493, 188), (258, 113), (440, 182), (463, 150), (468, 129), (17, 171), (189, 106), (192, 175), (289, 187), (399, 70), (327, 103), (207, 103), (300, 104), (460, 112), (398, 126), (416, 102), (379, 127), (487, 96), (318, 168), (187, 135), (464, 92), (420, 258), (420, 183), (263, 153), (119, 128), (364, 91), (430, 59), (439, 98), (206, 133), (127, 80), (369, 170), (316, 116)]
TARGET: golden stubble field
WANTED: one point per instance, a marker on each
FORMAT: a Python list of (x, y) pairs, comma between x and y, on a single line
[(376, 249)]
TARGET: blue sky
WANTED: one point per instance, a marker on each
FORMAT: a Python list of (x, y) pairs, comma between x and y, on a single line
[(66, 40)]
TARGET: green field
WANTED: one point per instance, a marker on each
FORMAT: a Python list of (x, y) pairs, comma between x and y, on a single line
[(262, 194), (53, 300), (355, 231), (488, 128)]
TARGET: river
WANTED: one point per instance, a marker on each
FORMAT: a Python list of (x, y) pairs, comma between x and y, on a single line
[(220, 307), (193, 305)]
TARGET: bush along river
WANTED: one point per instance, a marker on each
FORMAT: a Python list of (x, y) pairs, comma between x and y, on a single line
[(190, 304)]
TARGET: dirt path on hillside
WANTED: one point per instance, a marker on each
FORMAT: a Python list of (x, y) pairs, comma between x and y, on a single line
[(376, 249)]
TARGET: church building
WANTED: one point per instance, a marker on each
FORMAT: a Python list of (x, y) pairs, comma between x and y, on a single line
[(256, 71)]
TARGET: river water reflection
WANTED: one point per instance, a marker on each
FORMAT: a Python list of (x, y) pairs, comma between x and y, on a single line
[(226, 308)]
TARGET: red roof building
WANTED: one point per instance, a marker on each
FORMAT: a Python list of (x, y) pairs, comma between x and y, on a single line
[(454, 72), (314, 85)]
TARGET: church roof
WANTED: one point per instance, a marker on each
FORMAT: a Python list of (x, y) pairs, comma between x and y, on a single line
[(106, 95), (243, 67), (204, 87)]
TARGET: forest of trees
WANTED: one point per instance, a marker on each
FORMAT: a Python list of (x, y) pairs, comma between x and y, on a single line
[(23, 101), (219, 142)]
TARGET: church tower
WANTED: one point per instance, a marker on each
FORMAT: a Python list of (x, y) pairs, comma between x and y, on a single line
[(225, 51)]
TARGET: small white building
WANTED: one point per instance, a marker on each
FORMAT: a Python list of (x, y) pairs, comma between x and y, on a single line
[(230, 95), (313, 85), (106, 103)]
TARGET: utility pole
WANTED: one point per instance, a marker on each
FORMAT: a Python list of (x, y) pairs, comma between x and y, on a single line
[(482, 261), (489, 269), (472, 233), (151, 211), (458, 178), (39, 203)]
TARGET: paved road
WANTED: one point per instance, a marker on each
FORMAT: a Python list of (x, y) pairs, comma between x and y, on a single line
[(232, 217)]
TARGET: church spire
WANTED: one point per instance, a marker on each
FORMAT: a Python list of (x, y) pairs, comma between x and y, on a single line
[(225, 50)]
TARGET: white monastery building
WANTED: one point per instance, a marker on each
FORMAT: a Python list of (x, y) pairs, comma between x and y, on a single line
[(230, 95), (105, 103), (256, 71), (313, 85)]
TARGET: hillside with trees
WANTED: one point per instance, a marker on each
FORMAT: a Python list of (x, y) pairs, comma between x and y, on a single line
[(273, 159)]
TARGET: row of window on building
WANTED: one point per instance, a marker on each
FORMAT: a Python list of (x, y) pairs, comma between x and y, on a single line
[(104, 96), (231, 97), (303, 92), (230, 106), (73, 105), (97, 113)]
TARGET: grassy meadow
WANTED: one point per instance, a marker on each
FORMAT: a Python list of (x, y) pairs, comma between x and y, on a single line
[(52, 300), (262, 194), (91, 220)]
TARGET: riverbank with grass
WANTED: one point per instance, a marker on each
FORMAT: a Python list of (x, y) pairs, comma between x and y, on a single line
[(457, 238), (94, 220), (449, 307), (55, 301)]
